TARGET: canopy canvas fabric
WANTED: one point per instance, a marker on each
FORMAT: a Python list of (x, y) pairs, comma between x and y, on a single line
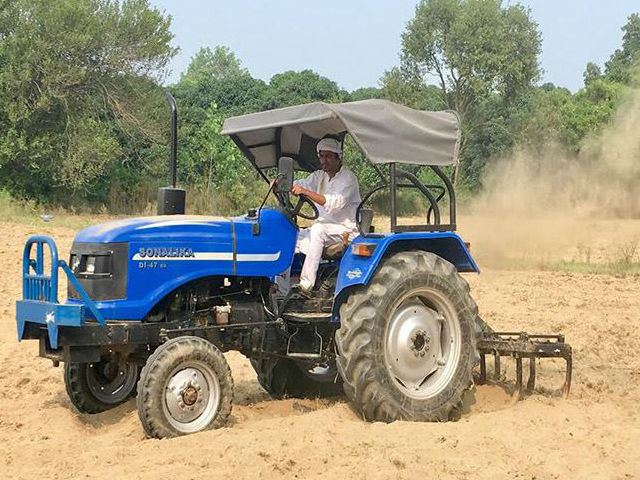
[(386, 133)]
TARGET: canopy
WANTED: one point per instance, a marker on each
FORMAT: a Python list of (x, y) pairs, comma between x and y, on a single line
[(385, 132)]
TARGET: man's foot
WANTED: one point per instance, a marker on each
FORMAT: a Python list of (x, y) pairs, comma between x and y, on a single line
[(305, 288), (305, 293)]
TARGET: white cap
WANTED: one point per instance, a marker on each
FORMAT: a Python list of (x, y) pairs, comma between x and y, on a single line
[(329, 145)]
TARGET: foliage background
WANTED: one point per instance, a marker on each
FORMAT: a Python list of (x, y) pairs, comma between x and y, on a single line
[(84, 121)]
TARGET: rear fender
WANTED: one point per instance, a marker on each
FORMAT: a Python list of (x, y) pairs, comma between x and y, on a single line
[(358, 270)]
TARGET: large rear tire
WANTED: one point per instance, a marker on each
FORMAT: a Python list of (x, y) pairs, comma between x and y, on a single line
[(100, 386), (282, 378), (407, 342), (185, 387)]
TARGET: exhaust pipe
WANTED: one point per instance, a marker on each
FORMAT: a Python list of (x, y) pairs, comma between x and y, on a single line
[(171, 200)]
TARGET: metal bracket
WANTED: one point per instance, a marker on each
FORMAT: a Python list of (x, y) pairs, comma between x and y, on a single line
[(307, 356)]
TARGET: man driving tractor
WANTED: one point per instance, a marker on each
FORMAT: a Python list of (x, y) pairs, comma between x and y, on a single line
[(334, 188)]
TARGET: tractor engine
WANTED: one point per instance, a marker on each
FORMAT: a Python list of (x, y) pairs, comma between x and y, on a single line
[(219, 301)]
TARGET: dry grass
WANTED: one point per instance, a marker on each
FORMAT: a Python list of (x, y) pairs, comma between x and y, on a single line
[(624, 261), (612, 268), (34, 215)]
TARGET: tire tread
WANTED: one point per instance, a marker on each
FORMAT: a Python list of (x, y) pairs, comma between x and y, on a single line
[(360, 321)]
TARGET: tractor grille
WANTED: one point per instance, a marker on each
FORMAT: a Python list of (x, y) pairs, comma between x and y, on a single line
[(101, 269)]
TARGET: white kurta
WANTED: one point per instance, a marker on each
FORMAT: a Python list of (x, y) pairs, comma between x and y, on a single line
[(336, 216)]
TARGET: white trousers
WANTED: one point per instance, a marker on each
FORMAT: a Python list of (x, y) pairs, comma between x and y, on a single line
[(311, 241)]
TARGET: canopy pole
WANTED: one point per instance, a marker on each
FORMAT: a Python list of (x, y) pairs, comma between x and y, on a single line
[(392, 185), (451, 191), (247, 153), (375, 167)]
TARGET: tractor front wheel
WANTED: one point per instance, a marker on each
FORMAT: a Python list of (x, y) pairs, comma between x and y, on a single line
[(185, 387), (407, 342), (99, 386)]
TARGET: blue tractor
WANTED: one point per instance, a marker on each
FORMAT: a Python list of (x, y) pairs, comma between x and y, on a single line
[(154, 302)]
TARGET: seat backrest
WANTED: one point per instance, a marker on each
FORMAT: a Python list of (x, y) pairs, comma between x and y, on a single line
[(366, 219)]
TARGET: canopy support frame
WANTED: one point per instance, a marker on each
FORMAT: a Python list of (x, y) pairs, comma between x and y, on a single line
[(394, 174)]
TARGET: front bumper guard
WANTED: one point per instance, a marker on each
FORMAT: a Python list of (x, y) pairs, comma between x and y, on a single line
[(39, 304)]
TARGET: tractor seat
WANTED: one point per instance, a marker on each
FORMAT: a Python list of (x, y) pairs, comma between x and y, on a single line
[(334, 251)]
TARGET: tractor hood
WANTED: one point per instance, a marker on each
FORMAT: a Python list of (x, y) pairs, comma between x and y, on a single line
[(169, 227), (148, 258)]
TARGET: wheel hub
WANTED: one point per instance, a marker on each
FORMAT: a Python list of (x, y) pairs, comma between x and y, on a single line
[(111, 382), (419, 343), (188, 395), (422, 342)]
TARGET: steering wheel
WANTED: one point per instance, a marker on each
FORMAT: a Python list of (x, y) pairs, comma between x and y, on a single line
[(302, 199), (285, 201)]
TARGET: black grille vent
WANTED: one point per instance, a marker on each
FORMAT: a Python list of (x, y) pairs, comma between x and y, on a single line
[(101, 269)]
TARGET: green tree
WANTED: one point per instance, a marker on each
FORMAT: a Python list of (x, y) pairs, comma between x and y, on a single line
[(219, 64), (591, 108), (490, 131), (365, 93), (591, 73), (407, 89), (217, 76), (78, 80), (553, 116), (293, 88), (220, 177), (215, 86), (620, 66), (545, 122), (473, 48), (480, 54)]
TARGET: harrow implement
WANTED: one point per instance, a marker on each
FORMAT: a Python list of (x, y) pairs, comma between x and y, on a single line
[(521, 345)]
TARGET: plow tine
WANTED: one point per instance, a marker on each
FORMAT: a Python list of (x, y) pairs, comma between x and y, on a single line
[(531, 384), (523, 345), (519, 375), (567, 381)]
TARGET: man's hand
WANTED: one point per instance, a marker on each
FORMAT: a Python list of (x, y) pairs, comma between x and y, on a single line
[(298, 190), (313, 196)]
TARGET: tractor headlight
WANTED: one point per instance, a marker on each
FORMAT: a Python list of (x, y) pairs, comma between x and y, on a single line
[(90, 266), (93, 264), (74, 263)]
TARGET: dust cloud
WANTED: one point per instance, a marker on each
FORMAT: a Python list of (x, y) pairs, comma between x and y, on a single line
[(552, 205)]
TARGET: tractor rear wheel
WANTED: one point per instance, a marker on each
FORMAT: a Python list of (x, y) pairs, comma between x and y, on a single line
[(282, 377), (99, 386), (185, 387), (407, 342)]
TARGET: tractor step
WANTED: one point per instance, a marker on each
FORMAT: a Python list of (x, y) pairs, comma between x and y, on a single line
[(521, 345), (305, 355), (307, 317)]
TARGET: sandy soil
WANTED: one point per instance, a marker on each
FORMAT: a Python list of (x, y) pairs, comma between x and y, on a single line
[(593, 434)]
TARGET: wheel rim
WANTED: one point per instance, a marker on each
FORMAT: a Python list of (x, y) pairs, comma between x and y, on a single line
[(323, 373), (422, 343), (191, 397), (110, 382)]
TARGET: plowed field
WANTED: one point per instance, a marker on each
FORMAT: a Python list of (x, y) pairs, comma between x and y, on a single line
[(593, 434)]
